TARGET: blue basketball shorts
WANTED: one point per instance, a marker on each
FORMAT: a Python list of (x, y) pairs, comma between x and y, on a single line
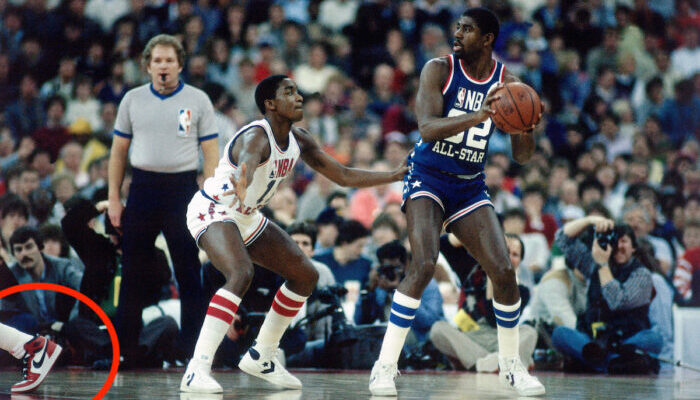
[(456, 196)]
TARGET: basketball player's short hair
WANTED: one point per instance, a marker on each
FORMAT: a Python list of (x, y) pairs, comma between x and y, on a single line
[(485, 19), (163, 40), (267, 90)]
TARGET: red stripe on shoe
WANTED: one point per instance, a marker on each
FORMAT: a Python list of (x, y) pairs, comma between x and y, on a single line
[(224, 302), (220, 314), (283, 311), (286, 301)]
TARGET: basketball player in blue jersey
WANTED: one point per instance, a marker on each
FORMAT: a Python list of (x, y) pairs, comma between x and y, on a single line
[(445, 188)]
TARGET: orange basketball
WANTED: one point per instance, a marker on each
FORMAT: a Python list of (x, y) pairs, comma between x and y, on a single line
[(518, 108)]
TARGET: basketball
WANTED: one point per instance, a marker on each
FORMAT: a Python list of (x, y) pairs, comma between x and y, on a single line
[(518, 108)]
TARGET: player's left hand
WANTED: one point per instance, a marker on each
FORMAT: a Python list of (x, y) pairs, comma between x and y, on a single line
[(240, 185), (400, 172), (539, 118)]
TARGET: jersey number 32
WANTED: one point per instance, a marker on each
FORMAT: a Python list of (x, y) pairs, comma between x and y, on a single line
[(477, 135)]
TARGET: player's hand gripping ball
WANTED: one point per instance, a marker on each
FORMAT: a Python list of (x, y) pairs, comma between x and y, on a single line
[(518, 109)]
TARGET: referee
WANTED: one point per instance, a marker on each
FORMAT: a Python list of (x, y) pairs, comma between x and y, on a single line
[(163, 123)]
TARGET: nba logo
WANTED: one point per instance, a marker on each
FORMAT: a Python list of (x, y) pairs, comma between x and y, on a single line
[(460, 97), (184, 121)]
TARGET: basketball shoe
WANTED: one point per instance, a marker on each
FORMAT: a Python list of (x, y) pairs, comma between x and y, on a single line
[(514, 375), (262, 362), (41, 354), (381, 380), (198, 379)]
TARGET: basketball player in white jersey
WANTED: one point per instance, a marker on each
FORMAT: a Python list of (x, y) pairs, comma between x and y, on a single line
[(224, 220), (38, 355)]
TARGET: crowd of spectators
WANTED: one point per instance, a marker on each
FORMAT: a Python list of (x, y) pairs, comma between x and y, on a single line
[(619, 139)]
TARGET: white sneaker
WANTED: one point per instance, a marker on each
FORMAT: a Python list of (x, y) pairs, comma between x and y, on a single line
[(381, 381), (488, 363), (263, 362), (514, 375), (198, 379)]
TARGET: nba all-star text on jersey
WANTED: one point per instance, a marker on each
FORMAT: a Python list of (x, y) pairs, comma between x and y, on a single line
[(463, 153)]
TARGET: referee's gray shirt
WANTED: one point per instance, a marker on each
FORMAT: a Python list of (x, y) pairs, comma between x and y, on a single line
[(165, 130)]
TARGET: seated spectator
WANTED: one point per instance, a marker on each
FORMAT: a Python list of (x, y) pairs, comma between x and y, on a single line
[(34, 310), (374, 303), (616, 321), (640, 221), (475, 343), (14, 213), (535, 250), (53, 134), (101, 282), (559, 297), (501, 198), (345, 259), (366, 203), (686, 278), (327, 223)]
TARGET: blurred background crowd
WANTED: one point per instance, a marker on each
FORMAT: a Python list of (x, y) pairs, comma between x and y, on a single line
[(620, 81)]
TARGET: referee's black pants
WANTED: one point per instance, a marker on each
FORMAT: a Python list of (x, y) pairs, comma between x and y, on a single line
[(158, 202)]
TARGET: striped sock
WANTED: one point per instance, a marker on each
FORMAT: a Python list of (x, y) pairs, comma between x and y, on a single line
[(403, 311), (13, 340), (222, 308), (507, 319), (285, 306)]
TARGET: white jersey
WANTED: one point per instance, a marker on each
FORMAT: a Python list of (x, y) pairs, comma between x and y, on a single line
[(267, 176)]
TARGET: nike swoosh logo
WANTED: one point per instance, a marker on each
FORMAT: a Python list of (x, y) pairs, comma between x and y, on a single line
[(43, 355), (271, 369), (189, 380)]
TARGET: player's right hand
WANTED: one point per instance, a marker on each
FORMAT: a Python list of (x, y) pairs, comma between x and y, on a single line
[(493, 94), (115, 208), (240, 184)]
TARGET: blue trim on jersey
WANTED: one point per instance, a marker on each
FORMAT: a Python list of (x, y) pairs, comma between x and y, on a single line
[(179, 87), (465, 152), (123, 134), (209, 137), (207, 196)]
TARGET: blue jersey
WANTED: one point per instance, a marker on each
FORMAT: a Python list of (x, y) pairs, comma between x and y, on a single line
[(465, 152)]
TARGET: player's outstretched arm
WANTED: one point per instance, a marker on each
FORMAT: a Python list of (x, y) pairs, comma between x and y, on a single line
[(431, 125), (319, 160)]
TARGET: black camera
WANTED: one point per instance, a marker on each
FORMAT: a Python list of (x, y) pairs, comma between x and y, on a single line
[(607, 237), (390, 272), (341, 333)]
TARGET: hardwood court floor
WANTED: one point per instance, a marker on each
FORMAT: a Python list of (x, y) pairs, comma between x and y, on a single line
[(69, 384)]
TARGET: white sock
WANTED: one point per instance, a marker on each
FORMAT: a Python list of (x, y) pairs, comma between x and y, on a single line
[(222, 308), (285, 306), (507, 319), (403, 311), (13, 341)]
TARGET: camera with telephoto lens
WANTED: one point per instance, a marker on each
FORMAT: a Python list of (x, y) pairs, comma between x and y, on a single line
[(342, 333), (607, 238)]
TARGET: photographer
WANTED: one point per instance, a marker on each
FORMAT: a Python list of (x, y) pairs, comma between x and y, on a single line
[(616, 322), (375, 302)]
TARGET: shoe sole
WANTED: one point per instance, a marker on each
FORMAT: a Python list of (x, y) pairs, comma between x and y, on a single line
[(383, 393), (534, 392), (242, 366), (188, 389), (49, 363)]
